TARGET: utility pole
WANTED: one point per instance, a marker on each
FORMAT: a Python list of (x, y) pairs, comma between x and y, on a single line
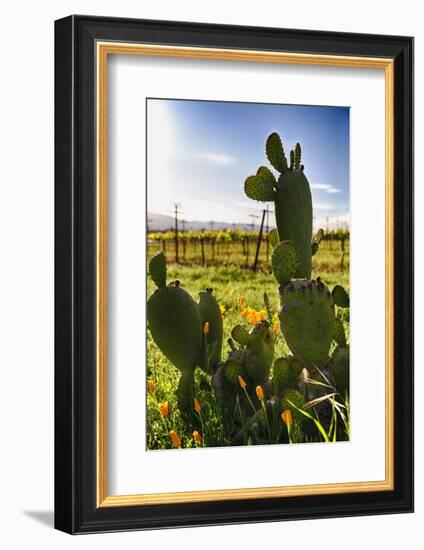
[(176, 206), (267, 234), (255, 264)]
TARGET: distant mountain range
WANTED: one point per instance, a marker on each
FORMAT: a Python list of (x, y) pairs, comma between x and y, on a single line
[(160, 222)]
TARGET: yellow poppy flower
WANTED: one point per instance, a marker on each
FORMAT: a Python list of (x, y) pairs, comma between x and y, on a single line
[(197, 436), (276, 326), (261, 315)]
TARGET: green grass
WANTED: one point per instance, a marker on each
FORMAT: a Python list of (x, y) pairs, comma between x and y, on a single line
[(235, 288)]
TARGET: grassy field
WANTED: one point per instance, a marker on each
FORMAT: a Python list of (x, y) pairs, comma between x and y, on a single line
[(236, 289)]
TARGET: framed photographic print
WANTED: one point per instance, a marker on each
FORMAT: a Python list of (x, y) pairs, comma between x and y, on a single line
[(234, 274)]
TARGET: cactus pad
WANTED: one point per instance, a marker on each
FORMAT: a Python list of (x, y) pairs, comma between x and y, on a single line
[(174, 322), (234, 367), (240, 335), (307, 320), (210, 313), (157, 269), (265, 174), (316, 240), (297, 156), (275, 152), (285, 261), (285, 374), (293, 214), (259, 188), (339, 367), (260, 352), (339, 335), (340, 296), (274, 239)]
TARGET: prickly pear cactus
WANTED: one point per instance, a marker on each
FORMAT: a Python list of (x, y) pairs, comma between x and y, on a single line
[(210, 313), (291, 194), (307, 320), (174, 322)]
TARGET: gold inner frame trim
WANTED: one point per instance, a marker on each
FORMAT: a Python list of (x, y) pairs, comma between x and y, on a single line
[(104, 49)]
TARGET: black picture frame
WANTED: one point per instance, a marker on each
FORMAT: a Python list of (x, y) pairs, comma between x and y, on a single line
[(76, 510)]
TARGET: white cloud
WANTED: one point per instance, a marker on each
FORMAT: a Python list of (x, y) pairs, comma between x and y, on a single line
[(325, 187), (217, 158), (323, 206)]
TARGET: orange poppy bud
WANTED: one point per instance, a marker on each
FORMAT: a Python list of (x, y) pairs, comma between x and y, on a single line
[(197, 406), (164, 408), (206, 328), (241, 382), (260, 393), (151, 386), (176, 441), (276, 326), (287, 417)]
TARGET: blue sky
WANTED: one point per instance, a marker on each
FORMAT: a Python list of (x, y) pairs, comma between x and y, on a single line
[(200, 153)]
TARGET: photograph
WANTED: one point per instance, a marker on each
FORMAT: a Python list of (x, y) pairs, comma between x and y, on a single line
[(248, 274)]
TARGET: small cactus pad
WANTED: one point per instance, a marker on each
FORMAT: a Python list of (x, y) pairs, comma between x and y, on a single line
[(157, 269), (293, 215), (275, 152), (290, 398), (285, 374), (259, 188), (285, 261), (340, 296), (339, 367), (316, 240), (274, 239), (234, 367), (339, 335), (267, 307), (266, 175), (212, 341), (297, 156), (307, 320), (260, 354), (174, 322), (240, 335)]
